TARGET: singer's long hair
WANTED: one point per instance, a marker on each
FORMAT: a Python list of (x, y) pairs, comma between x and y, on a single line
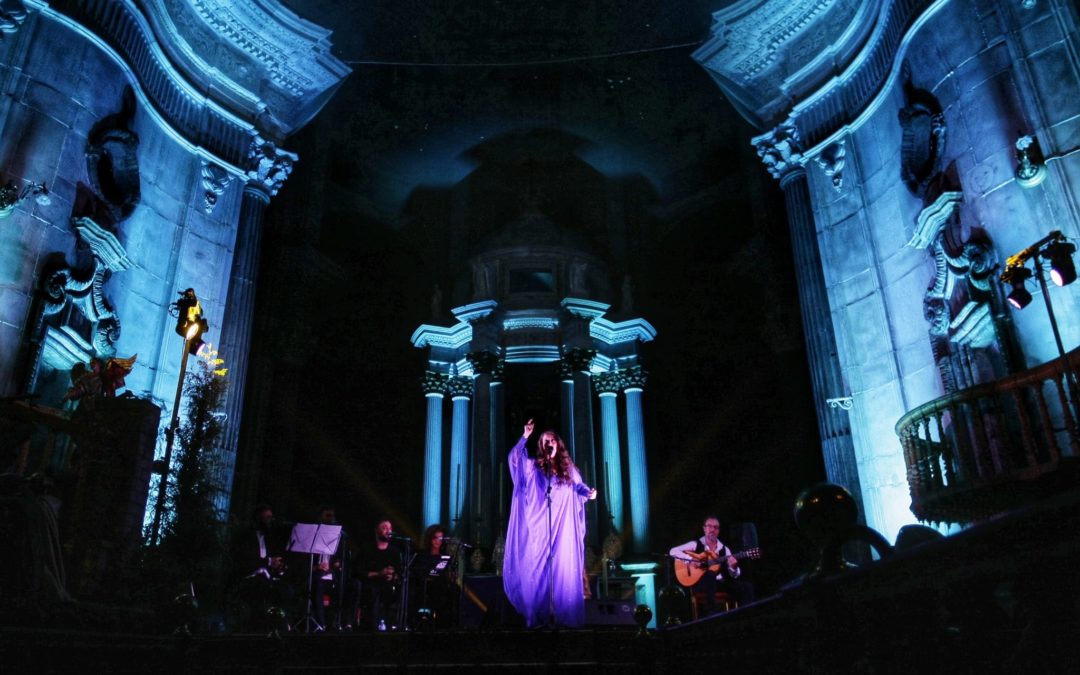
[(429, 534), (560, 466)]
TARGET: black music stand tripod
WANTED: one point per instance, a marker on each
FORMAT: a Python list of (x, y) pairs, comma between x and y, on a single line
[(313, 538)]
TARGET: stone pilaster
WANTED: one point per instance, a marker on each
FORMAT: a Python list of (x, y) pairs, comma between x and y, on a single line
[(780, 152), (268, 168)]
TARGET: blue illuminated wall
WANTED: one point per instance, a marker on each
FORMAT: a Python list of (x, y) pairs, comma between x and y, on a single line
[(910, 138)]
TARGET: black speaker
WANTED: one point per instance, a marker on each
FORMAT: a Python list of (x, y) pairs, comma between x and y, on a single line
[(609, 613)]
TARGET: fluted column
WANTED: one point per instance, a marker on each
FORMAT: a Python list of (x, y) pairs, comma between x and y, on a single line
[(607, 387), (779, 150), (634, 383), (489, 369), (460, 390), (566, 405), (267, 169), (434, 384), (578, 361)]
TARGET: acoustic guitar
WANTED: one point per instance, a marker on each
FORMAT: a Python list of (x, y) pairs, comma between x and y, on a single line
[(689, 572)]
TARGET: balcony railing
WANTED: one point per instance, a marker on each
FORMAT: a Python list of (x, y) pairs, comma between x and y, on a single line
[(992, 447)]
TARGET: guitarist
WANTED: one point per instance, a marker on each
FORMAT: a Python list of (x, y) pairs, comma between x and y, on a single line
[(720, 566), (258, 566)]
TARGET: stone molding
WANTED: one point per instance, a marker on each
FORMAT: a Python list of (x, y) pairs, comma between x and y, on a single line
[(215, 180), (199, 107)]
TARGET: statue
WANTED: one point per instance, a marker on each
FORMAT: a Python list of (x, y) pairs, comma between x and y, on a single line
[(627, 306), (436, 303), (100, 379)]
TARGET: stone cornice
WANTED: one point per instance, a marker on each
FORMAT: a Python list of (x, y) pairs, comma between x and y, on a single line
[(453, 337), (823, 103), (196, 107), (631, 330)]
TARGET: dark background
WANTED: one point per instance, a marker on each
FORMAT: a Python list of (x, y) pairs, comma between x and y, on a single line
[(335, 411)]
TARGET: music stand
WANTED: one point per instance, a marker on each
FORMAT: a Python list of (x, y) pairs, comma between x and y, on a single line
[(312, 538)]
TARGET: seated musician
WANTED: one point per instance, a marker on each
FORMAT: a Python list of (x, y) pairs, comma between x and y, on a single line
[(431, 585), (330, 577), (380, 574), (718, 568), (258, 564)]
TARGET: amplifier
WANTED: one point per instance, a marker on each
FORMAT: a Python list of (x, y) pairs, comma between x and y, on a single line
[(609, 613)]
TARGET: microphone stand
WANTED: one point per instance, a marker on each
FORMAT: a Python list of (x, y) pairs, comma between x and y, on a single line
[(407, 557), (551, 560)]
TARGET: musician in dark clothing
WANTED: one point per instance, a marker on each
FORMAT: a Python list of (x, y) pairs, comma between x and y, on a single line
[(259, 565), (331, 577), (381, 576), (431, 588), (719, 565)]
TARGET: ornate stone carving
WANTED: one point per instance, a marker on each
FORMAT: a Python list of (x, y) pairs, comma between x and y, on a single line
[(12, 15), (779, 149), (831, 161), (112, 161), (457, 387), (923, 142), (577, 359), (487, 363), (214, 181), (84, 290), (633, 377), (268, 165), (608, 383), (433, 382)]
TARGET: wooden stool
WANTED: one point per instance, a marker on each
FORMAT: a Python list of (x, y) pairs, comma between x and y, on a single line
[(722, 599)]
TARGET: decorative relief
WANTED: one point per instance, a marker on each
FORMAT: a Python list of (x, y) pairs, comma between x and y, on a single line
[(433, 382), (608, 383), (84, 290), (633, 377), (756, 40), (458, 387), (488, 363), (779, 149), (12, 16), (577, 359), (112, 161), (923, 138), (958, 306), (831, 161), (248, 27), (269, 166), (214, 181)]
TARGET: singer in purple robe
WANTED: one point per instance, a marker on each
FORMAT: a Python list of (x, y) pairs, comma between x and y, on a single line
[(544, 563)]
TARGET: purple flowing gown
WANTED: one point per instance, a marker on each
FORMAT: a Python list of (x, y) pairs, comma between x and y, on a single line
[(526, 562)]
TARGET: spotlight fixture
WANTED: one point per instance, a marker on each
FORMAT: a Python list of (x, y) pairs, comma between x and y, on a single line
[(1062, 269), (1019, 296), (190, 323)]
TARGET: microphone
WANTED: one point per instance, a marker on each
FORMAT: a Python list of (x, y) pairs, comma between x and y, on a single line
[(398, 537)]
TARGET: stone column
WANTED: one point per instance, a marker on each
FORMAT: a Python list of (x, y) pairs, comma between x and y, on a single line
[(267, 169), (607, 387), (434, 384), (633, 380), (566, 405), (780, 152), (578, 361), (488, 368), (460, 390)]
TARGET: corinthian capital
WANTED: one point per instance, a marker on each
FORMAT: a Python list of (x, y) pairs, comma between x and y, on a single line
[(268, 165), (458, 387), (633, 377), (780, 150), (433, 382), (608, 383)]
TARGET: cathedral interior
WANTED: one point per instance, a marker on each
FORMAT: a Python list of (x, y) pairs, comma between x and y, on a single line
[(802, 266)]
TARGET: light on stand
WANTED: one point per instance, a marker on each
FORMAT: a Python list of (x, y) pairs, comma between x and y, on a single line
[(1017, 277), (190, 325), (1062, 269), (1056, 250)]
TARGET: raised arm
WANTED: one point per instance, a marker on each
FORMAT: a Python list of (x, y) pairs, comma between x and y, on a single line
[(518, 459)]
